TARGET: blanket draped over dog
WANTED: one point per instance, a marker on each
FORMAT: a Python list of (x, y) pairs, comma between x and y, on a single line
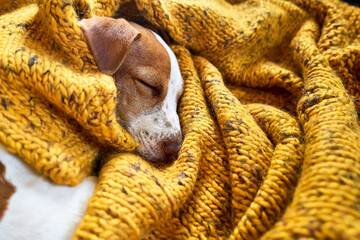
[(271, 135)]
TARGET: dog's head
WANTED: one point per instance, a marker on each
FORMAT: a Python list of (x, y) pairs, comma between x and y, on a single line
[(148, 81)]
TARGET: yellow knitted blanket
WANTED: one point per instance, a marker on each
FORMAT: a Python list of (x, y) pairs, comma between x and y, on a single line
[(269, 114)]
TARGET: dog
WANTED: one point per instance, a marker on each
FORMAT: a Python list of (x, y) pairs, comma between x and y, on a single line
[(148, 90), (149, 85)]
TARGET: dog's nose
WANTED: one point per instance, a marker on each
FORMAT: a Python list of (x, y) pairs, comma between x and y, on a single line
[(171, 148)]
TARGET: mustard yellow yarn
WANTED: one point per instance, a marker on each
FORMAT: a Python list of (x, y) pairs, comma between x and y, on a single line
[(56, 108), (269, 116)]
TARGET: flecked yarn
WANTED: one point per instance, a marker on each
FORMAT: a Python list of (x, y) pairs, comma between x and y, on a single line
[(56, 108), (269, 115)]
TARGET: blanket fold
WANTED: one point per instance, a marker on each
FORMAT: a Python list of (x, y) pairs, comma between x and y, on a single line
[(269, 115), (54, 113)]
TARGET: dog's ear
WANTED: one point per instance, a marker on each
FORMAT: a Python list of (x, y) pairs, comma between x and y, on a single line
[(109, 40)]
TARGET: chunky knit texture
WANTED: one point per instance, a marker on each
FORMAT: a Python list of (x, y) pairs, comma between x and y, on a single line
[(56, 108), (271, 135)]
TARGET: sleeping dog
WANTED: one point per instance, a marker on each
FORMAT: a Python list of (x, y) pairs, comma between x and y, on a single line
[(149, 85), (148, 80)]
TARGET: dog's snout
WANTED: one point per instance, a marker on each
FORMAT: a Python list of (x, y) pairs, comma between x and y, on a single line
[(171, 148)]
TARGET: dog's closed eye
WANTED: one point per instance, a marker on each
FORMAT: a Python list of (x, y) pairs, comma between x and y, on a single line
[(147, 81), (155, 91)]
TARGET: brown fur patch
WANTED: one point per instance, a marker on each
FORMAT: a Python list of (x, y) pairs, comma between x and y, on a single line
[(6, 191)]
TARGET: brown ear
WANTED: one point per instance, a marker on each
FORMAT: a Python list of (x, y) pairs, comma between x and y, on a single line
[(109, 40)]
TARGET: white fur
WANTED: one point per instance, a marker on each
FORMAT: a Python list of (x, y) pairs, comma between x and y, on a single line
[(40, 209), (144, 127)]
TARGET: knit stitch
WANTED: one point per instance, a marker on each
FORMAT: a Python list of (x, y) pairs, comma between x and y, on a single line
[(269, 115)]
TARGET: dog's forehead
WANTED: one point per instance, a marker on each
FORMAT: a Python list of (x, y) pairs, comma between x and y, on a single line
[(176, 83)]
